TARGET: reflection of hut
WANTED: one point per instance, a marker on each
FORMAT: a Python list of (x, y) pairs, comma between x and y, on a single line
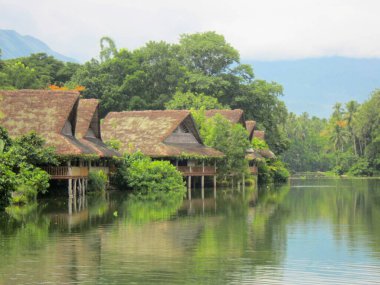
[(53, 115), (170, 135)]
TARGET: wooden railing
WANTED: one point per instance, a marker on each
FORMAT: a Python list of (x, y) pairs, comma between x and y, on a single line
[(197, 170), (253, 170), (65, 172)]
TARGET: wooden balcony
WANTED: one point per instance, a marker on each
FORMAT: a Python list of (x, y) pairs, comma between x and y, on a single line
[(197, 170), (253, 170), (65, 172)]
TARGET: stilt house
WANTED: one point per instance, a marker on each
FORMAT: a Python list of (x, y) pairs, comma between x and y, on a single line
[(235, 116), (171, 135), (87, 131), (54, 116), (251, 126)]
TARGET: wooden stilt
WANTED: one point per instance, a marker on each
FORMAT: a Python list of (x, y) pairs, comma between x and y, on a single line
[(203, 187), (80, 186), (70, 188), (189, 187), (75, 188), (215, 186)]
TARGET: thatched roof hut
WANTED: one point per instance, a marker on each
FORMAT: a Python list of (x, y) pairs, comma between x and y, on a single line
[(169, 133), (235, 116), (51, 114), (259, 134), (87, 129), (250, 125)]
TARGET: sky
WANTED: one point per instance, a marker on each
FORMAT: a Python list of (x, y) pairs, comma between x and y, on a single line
[(260, 30)]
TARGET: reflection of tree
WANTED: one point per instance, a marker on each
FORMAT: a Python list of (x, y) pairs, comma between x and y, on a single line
[(146, 210), (352, 206)]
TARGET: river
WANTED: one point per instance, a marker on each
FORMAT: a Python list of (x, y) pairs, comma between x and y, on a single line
[(310, 231)]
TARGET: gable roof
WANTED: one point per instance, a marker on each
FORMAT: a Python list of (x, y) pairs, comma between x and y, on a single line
[(259, 134), (88, 112), (250, 125), (147, 131), (235, 116), (45, 112)]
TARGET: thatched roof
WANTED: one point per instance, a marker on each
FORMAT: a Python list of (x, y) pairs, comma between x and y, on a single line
[(235, 116), (259, 134), (152, 133), (49, 113), (87, 129), (266, 153), (252, 154), (250, 125)]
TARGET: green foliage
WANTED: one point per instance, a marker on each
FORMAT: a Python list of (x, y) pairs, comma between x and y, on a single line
[(272, 170), (106, 52), (259, 144), (361, 168), (188, 100), (114, 143), (231, 139), (151, 180), (20, 179), (309, 144), (201, 71), (20, 76), (347, 143), (97, 181), (35, 71)]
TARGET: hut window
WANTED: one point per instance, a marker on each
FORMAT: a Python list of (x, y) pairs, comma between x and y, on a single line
[(182, 129), (90, 133), (67, 129)]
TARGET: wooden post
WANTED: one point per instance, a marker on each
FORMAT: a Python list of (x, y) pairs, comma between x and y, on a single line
[(203, 180), (70, 188), (215, 186), (189, 187), (203, 187), (80, 186), (75, 188)]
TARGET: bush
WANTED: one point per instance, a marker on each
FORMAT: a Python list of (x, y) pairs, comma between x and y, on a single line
[(272, 171), (97, 181), (150, 179), (361, 168)]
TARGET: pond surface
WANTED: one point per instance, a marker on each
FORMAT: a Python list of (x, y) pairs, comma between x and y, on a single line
[(322, 231)]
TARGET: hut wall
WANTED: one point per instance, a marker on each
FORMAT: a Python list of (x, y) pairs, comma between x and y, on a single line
[(182, 134)]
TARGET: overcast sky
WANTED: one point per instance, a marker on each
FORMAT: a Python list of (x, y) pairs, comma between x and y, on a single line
[(261, 30)]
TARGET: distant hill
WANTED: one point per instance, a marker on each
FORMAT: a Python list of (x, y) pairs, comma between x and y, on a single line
[(315, 85), (14, 45)]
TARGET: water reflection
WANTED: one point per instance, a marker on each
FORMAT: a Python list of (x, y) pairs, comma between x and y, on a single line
[(311, 231)]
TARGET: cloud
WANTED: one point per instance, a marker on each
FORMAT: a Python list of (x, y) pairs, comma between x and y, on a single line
[(271, 29)]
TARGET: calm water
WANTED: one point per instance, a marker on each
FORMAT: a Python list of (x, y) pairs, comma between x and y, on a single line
[(307, 232)]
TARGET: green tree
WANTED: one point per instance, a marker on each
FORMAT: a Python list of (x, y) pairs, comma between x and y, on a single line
[(107, 51), (188, 100), (21, 76), (231, 139)]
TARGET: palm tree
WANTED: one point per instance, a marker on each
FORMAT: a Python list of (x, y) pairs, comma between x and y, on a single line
[(352, 108)]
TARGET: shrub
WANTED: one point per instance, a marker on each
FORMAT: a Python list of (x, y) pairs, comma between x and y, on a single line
[(361, 168), (150, 179), (97, 181)]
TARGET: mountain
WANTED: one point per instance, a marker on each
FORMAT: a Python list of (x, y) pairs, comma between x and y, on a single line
[(14, 45), (315, 85)]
